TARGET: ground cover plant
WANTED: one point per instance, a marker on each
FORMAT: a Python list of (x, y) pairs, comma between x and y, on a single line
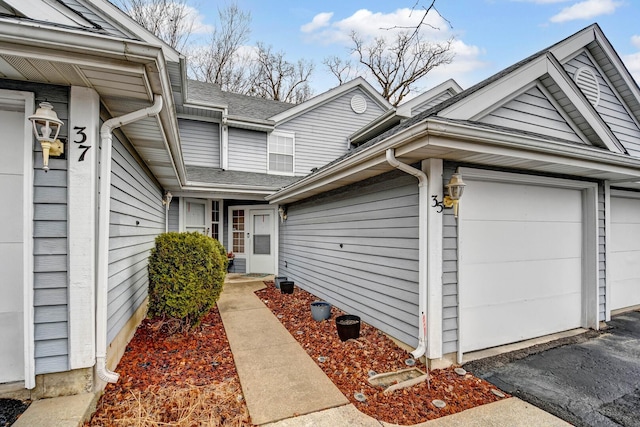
[(348, 364)]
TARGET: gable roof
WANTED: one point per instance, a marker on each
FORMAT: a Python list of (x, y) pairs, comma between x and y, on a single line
[(451, 131), (330, 95)]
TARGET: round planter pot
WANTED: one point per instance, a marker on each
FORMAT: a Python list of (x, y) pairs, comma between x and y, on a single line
[(286, 287), (279, 279), (348, 327), (320, 310)]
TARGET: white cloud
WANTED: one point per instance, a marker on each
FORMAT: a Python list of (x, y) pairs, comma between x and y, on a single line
[(635, 40), (370, 24), (587, 9), (633, 65), (321, 20), (467, 66)]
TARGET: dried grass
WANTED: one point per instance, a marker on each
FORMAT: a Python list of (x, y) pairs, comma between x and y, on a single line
[(212, 405)]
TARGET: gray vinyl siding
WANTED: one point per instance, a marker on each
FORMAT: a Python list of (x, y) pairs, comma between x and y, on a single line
[(357, 248), (200, 143), (136, 218), (174, 216), (610, 107), (431, 103), (532, 112), (321, 134), (90, 15), (247, 150), (449, 275), (49, 240)]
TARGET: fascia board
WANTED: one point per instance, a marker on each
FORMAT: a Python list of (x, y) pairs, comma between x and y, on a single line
[(567, 48), (56, 44), (365, 159), (459, 136), (205, 186), (584, 107), (619, 65), (128, 25), (329, 95), (450, 85), (493, 94)]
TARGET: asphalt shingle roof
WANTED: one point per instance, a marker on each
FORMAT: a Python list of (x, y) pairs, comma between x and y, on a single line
[(214, 176), (238, 105)]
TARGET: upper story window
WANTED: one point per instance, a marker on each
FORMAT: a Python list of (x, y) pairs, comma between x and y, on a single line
[(281, 152)]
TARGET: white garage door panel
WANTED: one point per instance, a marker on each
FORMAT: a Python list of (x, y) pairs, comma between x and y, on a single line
[(505, 324), (506, 241), (520, 262), (521, 281), (623, 263)]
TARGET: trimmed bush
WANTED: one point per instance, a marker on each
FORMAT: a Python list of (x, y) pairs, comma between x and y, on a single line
[(186, 275)]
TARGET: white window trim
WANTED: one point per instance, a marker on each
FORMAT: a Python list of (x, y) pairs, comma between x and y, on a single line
[(291, 135), (183, 211), (220, 221)]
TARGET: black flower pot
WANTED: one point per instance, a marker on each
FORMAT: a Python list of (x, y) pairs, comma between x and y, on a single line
[(348, 327), (286, 287)]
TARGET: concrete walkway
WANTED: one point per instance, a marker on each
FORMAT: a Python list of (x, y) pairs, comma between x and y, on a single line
[(279, 380), (282, 385)]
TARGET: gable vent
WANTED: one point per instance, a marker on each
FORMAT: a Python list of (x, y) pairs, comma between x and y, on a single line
[(588, 83), (358, 104)]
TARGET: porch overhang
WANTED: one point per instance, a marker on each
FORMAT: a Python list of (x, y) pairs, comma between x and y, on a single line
[(125, 73), (470, 143)]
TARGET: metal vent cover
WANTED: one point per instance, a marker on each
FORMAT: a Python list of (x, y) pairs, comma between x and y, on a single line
[(587, 81), (358, 104)]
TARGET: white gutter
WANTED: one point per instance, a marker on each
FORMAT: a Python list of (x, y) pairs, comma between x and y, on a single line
[(106, 136), (423, 267)]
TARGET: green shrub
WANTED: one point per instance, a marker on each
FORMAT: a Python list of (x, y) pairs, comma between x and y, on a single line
[(186, 275)]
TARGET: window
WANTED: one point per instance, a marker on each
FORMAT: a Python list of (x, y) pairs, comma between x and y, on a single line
[(238, 231), (215, 219), (281, 152)]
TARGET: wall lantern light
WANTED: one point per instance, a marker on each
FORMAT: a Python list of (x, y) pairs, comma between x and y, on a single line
[(455, 188), (166, 200), (46, 126), (282, 211)]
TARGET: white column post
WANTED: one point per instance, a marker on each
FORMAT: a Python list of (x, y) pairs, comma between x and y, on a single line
[(82, 155), (433, 169)]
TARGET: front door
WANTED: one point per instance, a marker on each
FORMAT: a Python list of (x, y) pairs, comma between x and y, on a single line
[(261, 241), (12, 223)]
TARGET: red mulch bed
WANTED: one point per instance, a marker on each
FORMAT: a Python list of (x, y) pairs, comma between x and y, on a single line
[(175, 379), (348, 365)]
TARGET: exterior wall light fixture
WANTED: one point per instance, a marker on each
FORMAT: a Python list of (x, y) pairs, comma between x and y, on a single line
[(282, 211), (455, 188), (166, 200), (46, 127)]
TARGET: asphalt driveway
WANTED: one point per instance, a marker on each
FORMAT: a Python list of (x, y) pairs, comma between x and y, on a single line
[(589, 380)]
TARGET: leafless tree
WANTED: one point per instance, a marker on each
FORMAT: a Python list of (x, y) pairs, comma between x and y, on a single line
[(221, 61), (395, 62), (273, 77), (169, 20)]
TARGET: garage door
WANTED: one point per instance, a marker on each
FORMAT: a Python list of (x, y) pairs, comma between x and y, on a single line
[(623, 264), (520, 262)]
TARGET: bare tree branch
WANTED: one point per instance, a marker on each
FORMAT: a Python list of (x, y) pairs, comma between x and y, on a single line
[(169, 20)]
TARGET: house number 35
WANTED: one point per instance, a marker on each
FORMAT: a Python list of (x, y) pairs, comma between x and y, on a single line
[(81, 137)]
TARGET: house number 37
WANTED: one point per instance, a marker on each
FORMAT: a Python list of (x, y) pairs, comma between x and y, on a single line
[(81, 138)]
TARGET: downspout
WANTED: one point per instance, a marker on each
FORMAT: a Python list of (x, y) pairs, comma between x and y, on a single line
[(423, 200), (106, 137)]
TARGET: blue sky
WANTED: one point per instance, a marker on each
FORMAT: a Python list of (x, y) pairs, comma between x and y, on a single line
[(490, 34)]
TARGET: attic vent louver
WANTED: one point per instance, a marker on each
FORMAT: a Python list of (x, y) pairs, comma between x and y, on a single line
[(588, 82), (358, 104)]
